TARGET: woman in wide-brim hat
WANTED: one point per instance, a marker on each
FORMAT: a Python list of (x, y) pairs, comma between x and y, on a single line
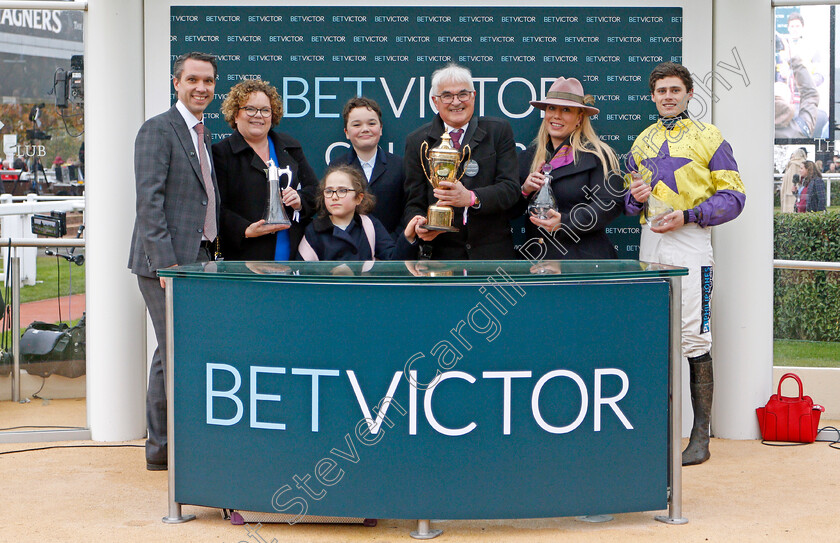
[(585, 179)]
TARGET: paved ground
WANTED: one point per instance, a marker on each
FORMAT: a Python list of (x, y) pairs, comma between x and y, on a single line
[(747, 492), (47, 310)]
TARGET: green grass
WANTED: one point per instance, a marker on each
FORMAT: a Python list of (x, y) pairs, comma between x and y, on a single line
[(46, 276), (807, 354)]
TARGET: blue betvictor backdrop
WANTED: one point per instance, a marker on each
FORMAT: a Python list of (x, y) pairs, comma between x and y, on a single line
[(318, 57), (553, 406)]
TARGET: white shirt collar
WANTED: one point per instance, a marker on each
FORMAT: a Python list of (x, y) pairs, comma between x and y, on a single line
[(189, 118), (451, 128), (372, 161)]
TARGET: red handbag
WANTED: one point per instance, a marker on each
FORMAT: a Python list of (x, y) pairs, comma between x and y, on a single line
[(789, 418)]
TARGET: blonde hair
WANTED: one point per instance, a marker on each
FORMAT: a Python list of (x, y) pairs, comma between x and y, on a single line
[(583, 140)]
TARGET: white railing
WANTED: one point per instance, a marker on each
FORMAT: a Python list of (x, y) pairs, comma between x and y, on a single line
[(15, 222), (12, 244), (805, 265)]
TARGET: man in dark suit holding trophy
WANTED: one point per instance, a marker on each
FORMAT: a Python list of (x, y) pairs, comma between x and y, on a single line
[(489, 185), (177, 214)]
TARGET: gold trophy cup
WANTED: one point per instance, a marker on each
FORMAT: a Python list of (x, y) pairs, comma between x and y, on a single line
[(443, 166)]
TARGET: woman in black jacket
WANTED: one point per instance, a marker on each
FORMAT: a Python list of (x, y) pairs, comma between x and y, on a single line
[(584, 175), (252, 108)]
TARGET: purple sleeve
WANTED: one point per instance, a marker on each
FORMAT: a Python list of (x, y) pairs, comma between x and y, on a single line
[(631, 206), (720, 207)]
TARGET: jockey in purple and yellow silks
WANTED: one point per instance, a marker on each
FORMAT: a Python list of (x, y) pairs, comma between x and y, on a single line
[(689, 167)]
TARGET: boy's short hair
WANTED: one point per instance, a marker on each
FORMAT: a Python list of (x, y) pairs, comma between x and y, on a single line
[(360, 101), (671, 69)]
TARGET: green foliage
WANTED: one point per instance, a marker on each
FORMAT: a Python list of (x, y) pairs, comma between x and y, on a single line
[(806, 304)]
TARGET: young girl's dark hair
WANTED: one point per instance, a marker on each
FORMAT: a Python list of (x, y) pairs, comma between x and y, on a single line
[(359, 183)]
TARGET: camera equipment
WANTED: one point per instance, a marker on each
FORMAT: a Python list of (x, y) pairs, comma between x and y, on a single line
[(37, 135), (69, 91), (53, 225), (68, 86), (75, 80), (60, 87), (70, 256)]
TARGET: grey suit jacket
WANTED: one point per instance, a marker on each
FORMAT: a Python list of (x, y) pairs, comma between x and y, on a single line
[(171, 199)]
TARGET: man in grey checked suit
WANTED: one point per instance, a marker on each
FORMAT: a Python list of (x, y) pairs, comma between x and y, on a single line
[(177, 213)]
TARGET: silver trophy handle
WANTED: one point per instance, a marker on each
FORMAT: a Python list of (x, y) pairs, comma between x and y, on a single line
[(287, 172)]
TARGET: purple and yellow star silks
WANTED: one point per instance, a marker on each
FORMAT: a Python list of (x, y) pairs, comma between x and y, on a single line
[(663, 166)]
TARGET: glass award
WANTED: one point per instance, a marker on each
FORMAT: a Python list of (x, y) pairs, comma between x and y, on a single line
[(543, 200)]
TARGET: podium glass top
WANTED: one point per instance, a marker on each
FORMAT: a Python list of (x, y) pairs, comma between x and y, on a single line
[(425, 271)]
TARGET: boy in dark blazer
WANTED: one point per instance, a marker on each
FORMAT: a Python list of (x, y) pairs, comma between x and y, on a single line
[(177, 213), (383, 170)]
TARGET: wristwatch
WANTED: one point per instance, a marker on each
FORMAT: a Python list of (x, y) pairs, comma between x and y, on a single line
[(477, 203)]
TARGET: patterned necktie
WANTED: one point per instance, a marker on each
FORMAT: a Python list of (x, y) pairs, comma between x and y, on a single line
[(210, 231), (456, 138)]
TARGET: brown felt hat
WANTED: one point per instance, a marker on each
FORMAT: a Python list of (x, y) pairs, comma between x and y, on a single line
[(567, 92)]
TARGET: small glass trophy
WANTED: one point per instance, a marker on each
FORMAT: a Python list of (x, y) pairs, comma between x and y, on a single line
[(274, 210), (543, 200), (655, 209)]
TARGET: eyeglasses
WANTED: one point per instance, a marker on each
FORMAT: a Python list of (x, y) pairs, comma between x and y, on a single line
[(341, 193), (252, 111), (448, 97)]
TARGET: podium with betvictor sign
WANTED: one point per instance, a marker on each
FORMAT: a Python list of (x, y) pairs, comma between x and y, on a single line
[(419, 390)]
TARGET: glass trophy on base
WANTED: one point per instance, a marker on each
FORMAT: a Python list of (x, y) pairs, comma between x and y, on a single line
[(543, 200), (275, 213), (655, 209), (443, 166)]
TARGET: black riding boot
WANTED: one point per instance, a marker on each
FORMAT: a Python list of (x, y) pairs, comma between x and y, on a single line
[(702, 386)]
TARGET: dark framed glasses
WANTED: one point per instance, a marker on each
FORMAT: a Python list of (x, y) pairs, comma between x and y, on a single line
[(448, 97), (340, 192), (252, 111)]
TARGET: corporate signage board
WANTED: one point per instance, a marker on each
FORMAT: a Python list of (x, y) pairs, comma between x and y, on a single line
[(42, 23), (318, 57), (508, 399)]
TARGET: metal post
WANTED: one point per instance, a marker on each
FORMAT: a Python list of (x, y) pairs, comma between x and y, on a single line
[(174, 516), (675, 409), (14, 262), (424, 531)]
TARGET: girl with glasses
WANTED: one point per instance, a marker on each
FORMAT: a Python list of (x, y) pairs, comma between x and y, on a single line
[(344, 230)]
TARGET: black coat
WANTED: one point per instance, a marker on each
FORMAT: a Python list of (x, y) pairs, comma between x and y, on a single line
[(386, 184), (332, 243), (582, 235), (487, 235), (243, 187)]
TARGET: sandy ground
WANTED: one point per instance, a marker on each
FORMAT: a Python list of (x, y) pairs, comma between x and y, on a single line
[(746, 492)]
